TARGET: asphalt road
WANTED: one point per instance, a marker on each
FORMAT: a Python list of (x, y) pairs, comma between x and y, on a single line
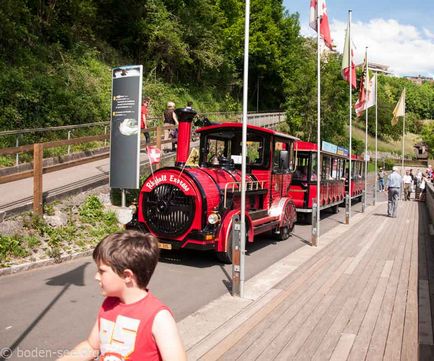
[(49, 310)]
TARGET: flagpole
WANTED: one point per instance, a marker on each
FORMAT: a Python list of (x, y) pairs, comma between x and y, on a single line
[(376, 139), (244, 148), (366, 131), (403, 135), (318, 132), (350, 115)]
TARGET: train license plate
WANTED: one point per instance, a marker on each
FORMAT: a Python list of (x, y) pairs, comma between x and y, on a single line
[(164, 245)]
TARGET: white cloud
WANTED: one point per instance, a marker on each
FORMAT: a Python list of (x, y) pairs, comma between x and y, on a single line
[(404, 48)]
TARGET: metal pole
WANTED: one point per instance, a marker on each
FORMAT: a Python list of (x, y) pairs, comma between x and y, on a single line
[(69, 145), (376, 140), (403, 135), (366, 135), (236, 255), (348, 213), (105, 133), (17, 156), (244, 147), (315, 236), (123, 198)]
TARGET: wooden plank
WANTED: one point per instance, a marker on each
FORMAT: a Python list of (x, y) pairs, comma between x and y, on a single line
[(300, 290), (373, 336), (304, 287), (324, 337), (410, 345), (14, 177), (394, 339), (343, 348), (289, 335)]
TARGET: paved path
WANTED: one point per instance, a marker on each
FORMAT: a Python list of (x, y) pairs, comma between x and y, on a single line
[(355, 297)]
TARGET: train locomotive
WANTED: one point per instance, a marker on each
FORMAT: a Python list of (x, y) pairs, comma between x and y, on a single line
[(192, 207)]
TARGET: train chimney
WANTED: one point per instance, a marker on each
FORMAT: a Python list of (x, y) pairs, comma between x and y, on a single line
[(185, 118)]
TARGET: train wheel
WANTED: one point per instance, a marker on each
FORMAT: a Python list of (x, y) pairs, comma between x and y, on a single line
[(289, 218)]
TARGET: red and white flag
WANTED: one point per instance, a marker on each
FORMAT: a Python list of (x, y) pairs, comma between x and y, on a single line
[(319, 8), (364, 91), (347, 60), (154, 154)]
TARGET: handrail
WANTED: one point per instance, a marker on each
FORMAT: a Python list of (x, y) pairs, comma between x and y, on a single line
[(250, 186), (88, 125)]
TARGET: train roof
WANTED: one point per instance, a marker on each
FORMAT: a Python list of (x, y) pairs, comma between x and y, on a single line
[(313, 147), (249, 127)]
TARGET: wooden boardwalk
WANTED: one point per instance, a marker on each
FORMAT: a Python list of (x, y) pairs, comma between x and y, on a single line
[(356, 299)]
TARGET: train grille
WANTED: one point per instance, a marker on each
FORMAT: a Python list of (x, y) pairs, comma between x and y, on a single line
[(168, 211)]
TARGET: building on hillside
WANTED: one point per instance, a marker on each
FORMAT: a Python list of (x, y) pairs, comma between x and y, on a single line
[(379, 68), (421, 150), (419, 79)]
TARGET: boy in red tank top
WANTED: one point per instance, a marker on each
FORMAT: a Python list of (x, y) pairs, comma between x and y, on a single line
[(132, 324)]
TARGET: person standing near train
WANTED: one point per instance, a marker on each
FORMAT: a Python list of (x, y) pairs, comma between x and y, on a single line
[(170, 118), (394, 181)]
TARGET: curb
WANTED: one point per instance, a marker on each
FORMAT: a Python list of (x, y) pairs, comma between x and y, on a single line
[(46, 262)]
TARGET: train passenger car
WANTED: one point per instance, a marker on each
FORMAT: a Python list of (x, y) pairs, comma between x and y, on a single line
[(193, 207), (304, 185), (357, 177)]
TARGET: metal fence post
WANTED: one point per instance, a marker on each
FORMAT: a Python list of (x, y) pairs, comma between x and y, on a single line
[(69, 145), (17, 156), (236, 255), (105, 133), (314, 223), (38, 152), (347, 208), (363, 201)]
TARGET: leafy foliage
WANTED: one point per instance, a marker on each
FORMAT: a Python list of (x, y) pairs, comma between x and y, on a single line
[(56, 56)]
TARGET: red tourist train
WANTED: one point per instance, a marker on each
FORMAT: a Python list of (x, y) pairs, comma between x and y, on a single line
[(193, 207), (334, 177)]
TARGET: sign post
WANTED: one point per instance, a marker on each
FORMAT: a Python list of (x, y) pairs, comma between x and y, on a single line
[(125, 128)]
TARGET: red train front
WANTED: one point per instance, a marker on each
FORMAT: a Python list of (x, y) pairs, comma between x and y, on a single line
[(192, 207)]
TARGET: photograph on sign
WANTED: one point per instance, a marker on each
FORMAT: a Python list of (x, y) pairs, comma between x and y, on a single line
[(125, 127)]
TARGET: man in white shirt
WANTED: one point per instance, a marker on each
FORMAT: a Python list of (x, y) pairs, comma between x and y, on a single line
[(407, 185)]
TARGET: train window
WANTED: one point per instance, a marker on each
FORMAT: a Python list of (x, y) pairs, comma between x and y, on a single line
[(279, 146), (326, 169), (302, 169), (222, 147), (335, 168)]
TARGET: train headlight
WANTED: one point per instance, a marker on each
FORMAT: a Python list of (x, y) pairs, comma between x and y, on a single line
[(214, 218)]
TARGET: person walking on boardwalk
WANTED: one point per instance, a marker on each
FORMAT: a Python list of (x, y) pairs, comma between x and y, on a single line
[(393, 188), (381, 175), (407, 185)]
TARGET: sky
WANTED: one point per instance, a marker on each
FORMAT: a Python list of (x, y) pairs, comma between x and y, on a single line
[(398, 33)]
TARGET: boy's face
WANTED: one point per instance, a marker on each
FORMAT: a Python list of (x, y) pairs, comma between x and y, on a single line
[(112, 285)]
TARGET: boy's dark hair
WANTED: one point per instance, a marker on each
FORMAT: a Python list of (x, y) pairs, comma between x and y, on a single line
[(132, 250), (146, 99)]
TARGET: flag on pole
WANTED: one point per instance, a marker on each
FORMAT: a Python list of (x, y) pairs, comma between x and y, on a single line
[(154, 154), (399, 110), (319, 8), (364, 90), (372, 93), (346, 62)]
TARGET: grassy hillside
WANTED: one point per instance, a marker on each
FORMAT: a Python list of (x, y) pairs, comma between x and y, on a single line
[(388, 146)]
